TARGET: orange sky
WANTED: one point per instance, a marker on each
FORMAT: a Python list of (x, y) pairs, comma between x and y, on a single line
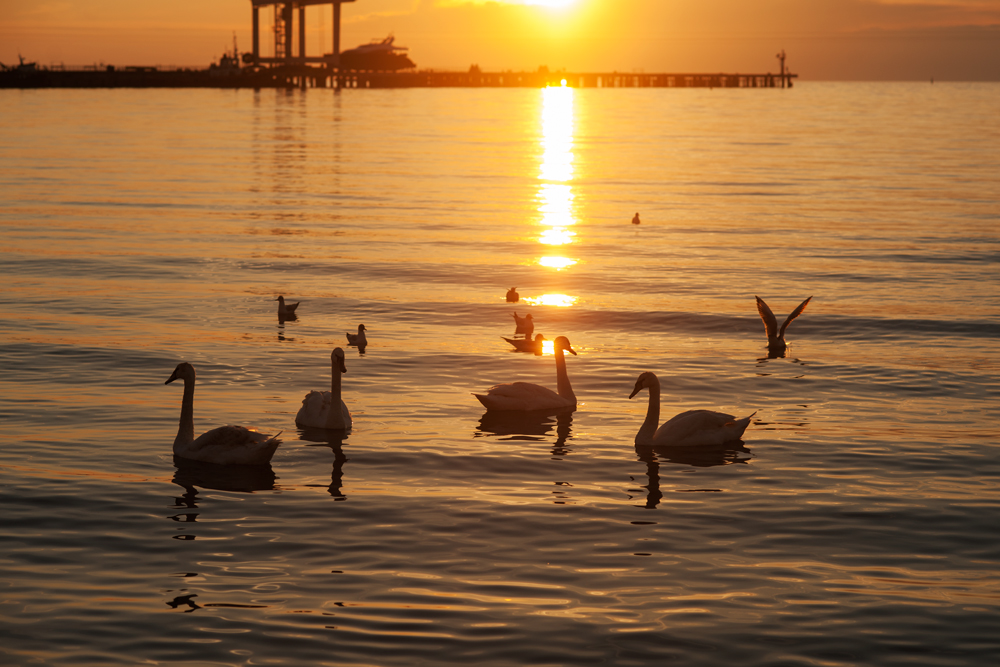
[(825, 39)]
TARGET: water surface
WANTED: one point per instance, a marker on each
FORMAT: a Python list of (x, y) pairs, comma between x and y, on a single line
[(854, 525)]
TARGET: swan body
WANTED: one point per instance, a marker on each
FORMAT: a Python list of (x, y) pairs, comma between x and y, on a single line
[(359, 338), (226, 445), (776, 337), (326, 409), (523, 325), (693, 428), (512, 295), (526, 344), (286, 311), (525, 396), (635, 219)]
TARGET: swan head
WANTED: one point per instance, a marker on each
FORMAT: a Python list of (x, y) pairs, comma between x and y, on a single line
[(337, 357), (645, 381), (184, 371), (539, 338), (562, 343)]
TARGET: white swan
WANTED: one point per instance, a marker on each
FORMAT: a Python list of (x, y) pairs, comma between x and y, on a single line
[(523, 325), (286, 311), (526, 344), (359, 338), (527, 396), (226, 445), (776, 337), (326, 409), (688, 429)]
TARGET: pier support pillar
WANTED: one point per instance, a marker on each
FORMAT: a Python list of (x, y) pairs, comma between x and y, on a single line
[(302, 31), (256, 33), (336, 34)]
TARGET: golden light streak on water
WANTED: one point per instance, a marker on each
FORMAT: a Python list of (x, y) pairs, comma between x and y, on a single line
[(557, 263), (561, 300), (555, 194)]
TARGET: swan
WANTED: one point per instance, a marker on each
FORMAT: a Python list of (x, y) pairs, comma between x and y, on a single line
[(523, 325), (688, 429), (226, 445), (528, 396), (286, 311), (635, 218), (776, 337), (359, 338), (326, 409), (512, 295), (526, 344)]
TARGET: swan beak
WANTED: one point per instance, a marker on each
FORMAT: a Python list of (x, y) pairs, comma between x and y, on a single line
[(635, 391), (173, 376), (343, 366), (571, 351)]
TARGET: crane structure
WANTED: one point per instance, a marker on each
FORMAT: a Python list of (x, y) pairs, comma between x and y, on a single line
[(284, 31)]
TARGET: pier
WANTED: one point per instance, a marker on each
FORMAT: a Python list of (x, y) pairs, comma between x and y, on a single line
[(291, 66), (303, 76)]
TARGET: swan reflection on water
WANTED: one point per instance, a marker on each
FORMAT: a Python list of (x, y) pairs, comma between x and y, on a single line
[(528, 426), (193, 475), (334, 439), (698, 457)]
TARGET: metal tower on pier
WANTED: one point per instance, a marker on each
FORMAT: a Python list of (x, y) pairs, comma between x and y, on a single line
[(284, 20)]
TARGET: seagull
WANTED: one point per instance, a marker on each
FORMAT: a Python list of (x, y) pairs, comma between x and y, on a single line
[(286, 311), (512, 295), (359, 338), (635, 218), (776, 337)]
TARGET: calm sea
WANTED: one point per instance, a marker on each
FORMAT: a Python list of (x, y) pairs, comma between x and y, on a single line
[(855, 525)]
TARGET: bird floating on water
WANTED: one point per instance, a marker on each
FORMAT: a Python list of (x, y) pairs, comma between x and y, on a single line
[(526, 344), (226, 445), (523, 325), (776, 337), (286, 311), (359, 338), (512, 295), (326, 409), (525, 396), (635, 218), (692, 428)]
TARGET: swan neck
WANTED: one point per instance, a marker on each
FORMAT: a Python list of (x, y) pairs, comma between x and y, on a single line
[(648, 428), (563, 387), (335, 416), (185, 431)]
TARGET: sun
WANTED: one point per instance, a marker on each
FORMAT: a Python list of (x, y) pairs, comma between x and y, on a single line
[(550, 3)]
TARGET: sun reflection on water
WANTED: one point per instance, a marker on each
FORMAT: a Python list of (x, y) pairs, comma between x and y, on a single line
[(556, 262), (555, 194), (561, 300)]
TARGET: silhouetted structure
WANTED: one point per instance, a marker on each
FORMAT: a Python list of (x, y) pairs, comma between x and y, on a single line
[(284, 19)]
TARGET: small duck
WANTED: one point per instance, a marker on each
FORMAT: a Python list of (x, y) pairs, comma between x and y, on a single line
[(776, 337), (635, 218), (359, 338), (692, 428), (527, 345), (286, 311), (512, 295), (225, 445), (523, 325)]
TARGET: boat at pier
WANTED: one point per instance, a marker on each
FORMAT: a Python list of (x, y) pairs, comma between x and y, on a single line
[(380, 55)]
